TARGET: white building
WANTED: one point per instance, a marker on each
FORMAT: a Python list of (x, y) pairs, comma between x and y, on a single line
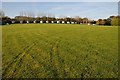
[(34, 21), (52, 21), (88, 23), (72, 22), (68, 22), (46, 21), (7, 23), (27, 22), (58, 21), (41, 21), (13, 22), (21, 22), (63, 22)]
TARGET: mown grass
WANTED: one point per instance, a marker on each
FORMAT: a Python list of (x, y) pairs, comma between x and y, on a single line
[(59, 51), (0, 51)]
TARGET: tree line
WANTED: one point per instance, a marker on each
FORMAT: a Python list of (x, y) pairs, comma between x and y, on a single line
[(112, 20), (29, 17)]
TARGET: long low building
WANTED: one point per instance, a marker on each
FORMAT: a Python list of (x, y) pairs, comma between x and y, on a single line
[(41, 21), (62, 22), (52, 21)]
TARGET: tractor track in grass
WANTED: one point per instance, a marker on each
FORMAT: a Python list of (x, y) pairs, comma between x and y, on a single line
[(52, 54), (18, 58), (29, 67), (55, 53), (52, 66)]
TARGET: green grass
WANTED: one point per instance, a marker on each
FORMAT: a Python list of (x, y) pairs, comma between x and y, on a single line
[(59, 51)]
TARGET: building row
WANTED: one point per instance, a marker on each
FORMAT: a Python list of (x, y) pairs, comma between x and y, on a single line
[(63, 22), (68, 22)]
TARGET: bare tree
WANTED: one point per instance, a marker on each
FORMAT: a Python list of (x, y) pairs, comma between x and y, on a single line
[(31, 14), (2, 14), (27, 14), (40, 14)]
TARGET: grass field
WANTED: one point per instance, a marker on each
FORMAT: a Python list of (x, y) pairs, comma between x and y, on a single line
[(59, 51)]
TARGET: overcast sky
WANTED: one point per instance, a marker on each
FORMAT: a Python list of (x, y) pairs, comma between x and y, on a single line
[(60, 0), (91, 10)]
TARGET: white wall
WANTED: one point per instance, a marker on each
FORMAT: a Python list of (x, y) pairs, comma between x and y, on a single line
[(34, 21), (52, 21), (63, 21), (27, 21), (46, 21), (41, 21), (21, 22), (68, 22), (58, 21)]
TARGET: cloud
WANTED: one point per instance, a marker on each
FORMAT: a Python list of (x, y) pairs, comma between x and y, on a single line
[(66, 7), (92, 10)]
